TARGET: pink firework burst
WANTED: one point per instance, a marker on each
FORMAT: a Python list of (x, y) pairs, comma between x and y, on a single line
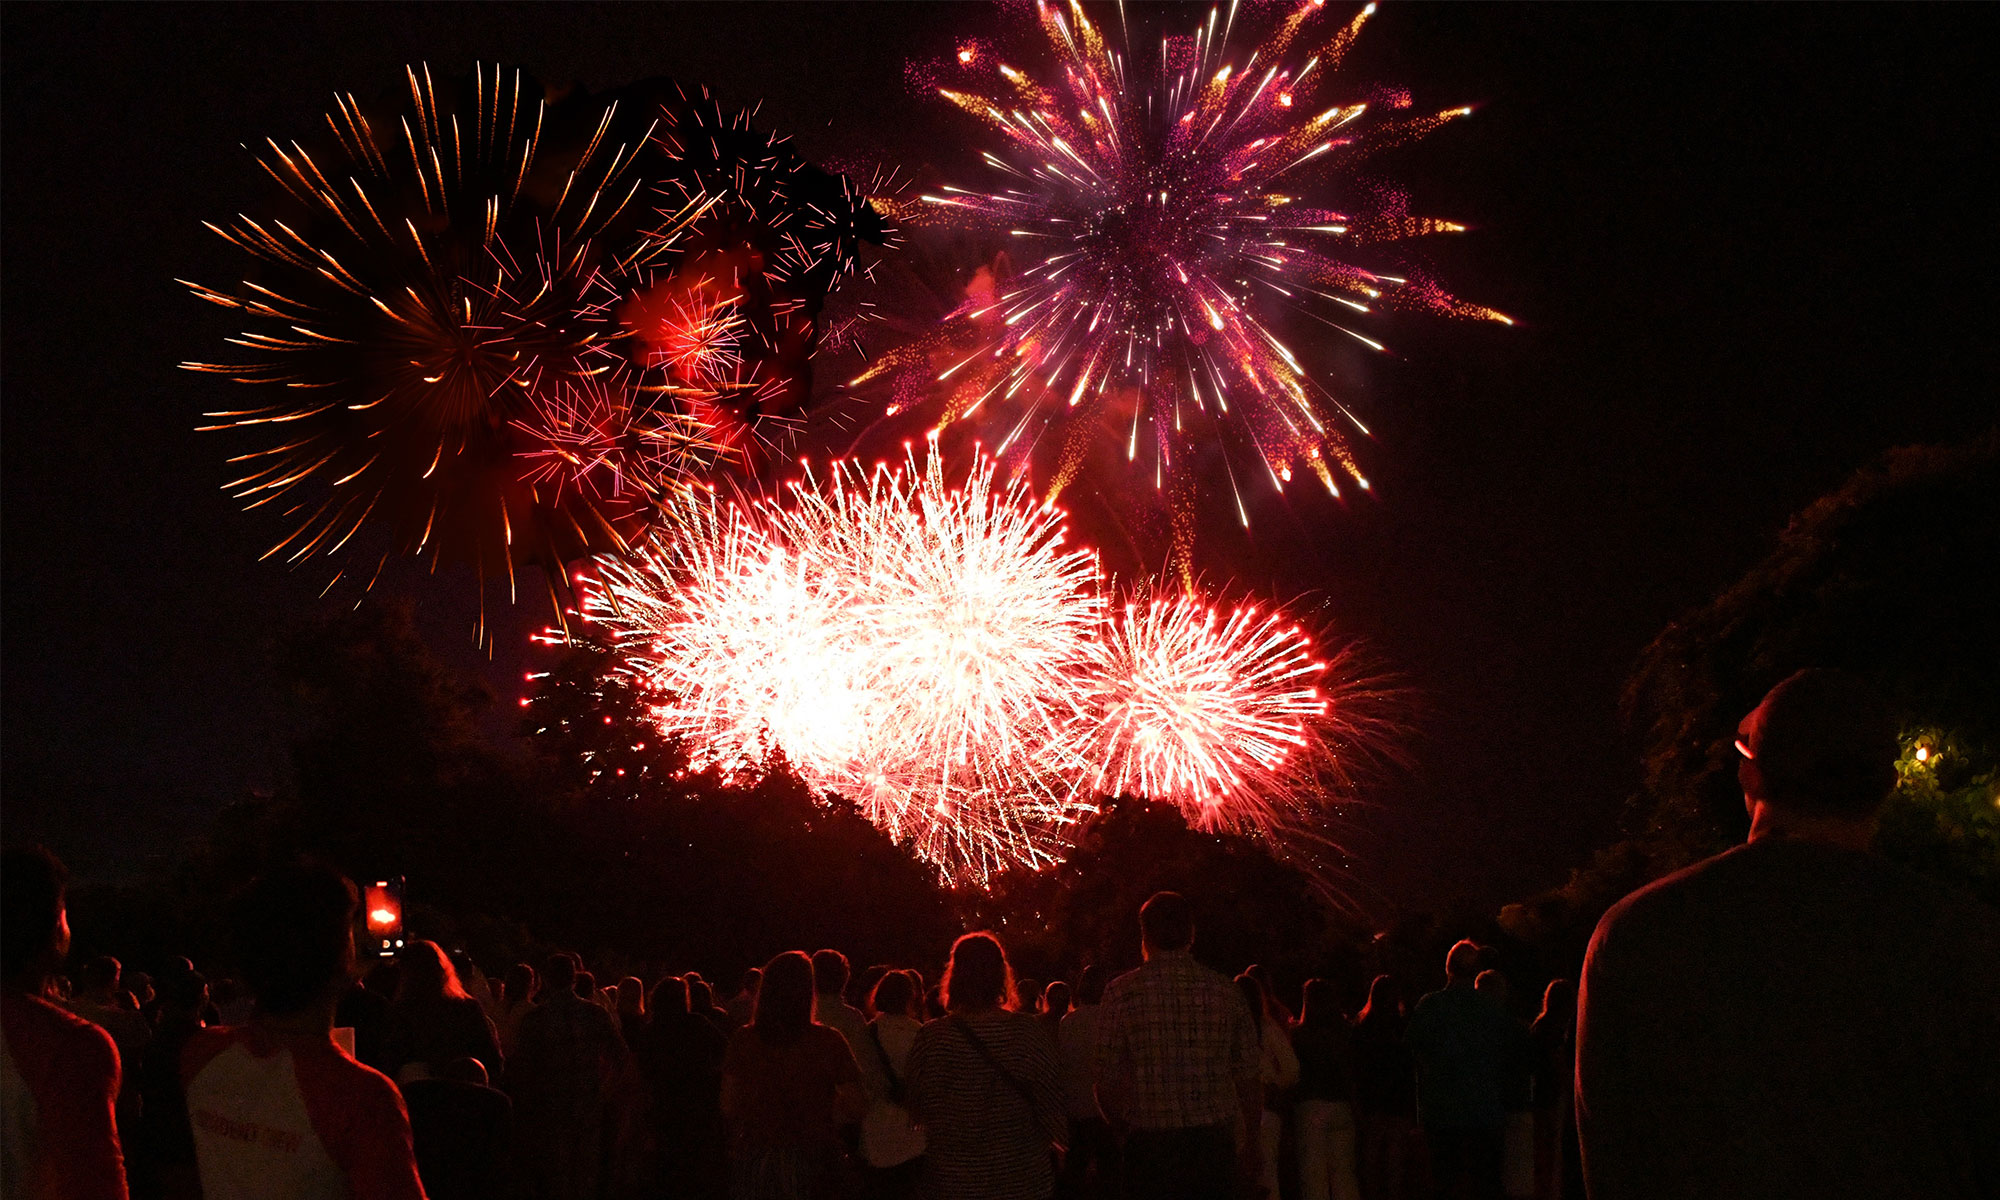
[(1163, 201)]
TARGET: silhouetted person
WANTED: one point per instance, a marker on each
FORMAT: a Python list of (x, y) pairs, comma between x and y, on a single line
[(701, 1002), (1385, 1091), (162, 1159), (462, 1129), (277, 1107), (59, 1073), (571, 1080), (433, 1021), (984, 1086), (100, 999), (518, 996), (743, 1005), (1055, 1006), (1277, 1072), (1517, 1082), (1795, 1017), (1463, 1044), (140, 992), (831, 1009), (1272, 1005), (1327, 1134), (1557, 1161), (890, 1142), (631, 1008), (1091, 1166), (680, 1058), (1179, 1066), (788, 1084)]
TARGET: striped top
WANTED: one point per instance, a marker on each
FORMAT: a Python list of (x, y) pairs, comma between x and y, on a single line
[(987, 1138)]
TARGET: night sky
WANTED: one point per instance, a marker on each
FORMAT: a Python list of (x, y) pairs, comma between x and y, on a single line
[(1745, 246)]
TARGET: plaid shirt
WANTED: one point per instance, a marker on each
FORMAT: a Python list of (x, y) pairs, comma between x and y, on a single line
[(1179, 1039)]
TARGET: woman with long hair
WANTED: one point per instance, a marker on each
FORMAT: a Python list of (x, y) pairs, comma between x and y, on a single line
[(680, 1059), (432, 1020), (1385, 1090), (984, 1086), (788, 1085), (1326, 1130)]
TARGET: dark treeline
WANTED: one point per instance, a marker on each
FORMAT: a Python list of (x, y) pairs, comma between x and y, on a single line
[(586, 833)]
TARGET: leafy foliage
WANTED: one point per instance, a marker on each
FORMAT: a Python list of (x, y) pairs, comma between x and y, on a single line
[(1249, 908), (1889, 576)]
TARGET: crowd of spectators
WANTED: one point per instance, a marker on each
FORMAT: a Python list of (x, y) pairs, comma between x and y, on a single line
[(303, 1076)]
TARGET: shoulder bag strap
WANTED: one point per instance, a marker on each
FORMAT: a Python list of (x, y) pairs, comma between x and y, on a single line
[(979, 1047), (888, 1069)]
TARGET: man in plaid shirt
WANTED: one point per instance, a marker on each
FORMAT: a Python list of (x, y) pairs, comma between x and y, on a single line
[(1178, 1066)]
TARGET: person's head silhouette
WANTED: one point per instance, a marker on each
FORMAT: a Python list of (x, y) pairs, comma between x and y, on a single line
[(294, 933), (1818, 758), (1166, 924)]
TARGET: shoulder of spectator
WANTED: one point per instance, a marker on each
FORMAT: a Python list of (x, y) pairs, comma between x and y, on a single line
[(202, 1047), (88, 1049), (1123, 983)]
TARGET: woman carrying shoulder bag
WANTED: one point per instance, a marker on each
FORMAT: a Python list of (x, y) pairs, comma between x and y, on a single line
[(984, 1087), (890, 1144)]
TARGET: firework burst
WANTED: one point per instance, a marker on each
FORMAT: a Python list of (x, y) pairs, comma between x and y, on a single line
[(1224, 717), (442, 328), (424, 304), (941, 657), (698, 339), (597, 435), (1162, 203), (913, 646)]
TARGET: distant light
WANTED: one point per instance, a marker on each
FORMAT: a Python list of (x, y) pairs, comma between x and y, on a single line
[(966, 55), (1284, 99), (1923, 753)]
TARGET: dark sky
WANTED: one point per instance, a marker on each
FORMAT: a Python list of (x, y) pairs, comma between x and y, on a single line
[(1745, 244)]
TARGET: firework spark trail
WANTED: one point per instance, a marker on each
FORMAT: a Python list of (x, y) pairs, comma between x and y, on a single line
[(910, 645), (1161, 214), (700, 338), (592, 433)]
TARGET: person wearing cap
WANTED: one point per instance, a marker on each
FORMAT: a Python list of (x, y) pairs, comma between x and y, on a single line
[(1795, 1017)]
